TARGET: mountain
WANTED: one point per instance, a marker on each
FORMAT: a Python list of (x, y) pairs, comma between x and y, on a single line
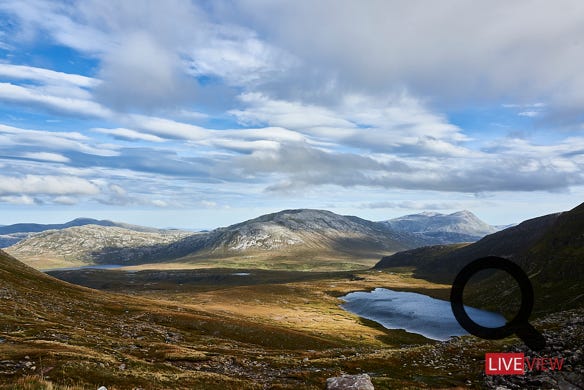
[(92, 244), (12, 234), (298, 239), (436, 228), (550, 249), (287, 237)]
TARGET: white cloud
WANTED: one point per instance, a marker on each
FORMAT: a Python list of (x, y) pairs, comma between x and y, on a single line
[(142, 73), (44, 156), (416, 205), (46, 185), (18, 200), (293, 115), (530, 114), (46, 76), (395, 124), (61, 141), (167, 128), (160, 203), (129, 134), (448, 51), (65, 105), (239, 57), (65, 200)]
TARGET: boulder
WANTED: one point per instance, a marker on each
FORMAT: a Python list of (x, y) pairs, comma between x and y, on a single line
[(350, 382)]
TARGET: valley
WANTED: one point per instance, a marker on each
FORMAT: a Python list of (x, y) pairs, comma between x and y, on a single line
[(267, 319)]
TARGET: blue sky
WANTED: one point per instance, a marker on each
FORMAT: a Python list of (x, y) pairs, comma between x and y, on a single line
[(202, 114)]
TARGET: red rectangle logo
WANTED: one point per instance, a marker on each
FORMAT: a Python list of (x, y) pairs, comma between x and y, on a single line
[(504, 364)]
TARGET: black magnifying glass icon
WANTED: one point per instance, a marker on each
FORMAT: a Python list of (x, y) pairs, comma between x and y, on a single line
[(518, 325)]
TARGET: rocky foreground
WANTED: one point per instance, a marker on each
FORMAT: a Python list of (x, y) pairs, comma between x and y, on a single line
[(564, 334)]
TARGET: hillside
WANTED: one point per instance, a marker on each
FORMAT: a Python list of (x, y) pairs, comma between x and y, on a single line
[(82, 338), (12, 234), (92, 244), (436, 228), (417, 257)]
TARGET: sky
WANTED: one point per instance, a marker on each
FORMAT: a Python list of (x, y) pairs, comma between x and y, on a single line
[(199, 114)]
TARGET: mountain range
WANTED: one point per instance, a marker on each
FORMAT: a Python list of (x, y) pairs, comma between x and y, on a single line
[(312, 235)]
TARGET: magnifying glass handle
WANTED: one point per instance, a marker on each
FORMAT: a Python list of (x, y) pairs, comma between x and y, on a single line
[(531, 337)]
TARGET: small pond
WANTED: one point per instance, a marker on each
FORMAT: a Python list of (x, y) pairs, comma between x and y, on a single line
[(415, 313)]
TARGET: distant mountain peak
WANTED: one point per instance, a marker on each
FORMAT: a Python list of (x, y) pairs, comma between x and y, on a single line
[(445, 228)]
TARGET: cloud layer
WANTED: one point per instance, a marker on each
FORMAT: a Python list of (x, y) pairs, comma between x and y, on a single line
[(184, 105)]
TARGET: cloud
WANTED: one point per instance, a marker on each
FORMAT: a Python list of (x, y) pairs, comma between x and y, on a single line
[(129, 134), (229, 99), (297, 167), (44, 156), (64, 105), (208, 204), (160, 203), (415, 205), (141, 73), (12, 137), (18, 200), (65, 200), (451, 52), (238, 56), (164, 127), (46, 185), (398, 124), (45, 76), (530, 114)]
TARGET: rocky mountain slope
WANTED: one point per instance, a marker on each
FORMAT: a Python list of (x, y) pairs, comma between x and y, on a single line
[(92, 244), (12, 234), (307, 229), (462, 226)]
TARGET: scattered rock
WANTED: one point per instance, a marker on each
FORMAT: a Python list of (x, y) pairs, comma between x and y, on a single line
[(350, 382)]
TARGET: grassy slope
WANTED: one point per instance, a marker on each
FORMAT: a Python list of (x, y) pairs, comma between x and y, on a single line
[(81, 337)]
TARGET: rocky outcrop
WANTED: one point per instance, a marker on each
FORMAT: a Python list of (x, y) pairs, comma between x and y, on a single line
[(350, 382)]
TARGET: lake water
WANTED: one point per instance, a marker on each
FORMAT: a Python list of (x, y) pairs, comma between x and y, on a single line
[(415, 313)]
